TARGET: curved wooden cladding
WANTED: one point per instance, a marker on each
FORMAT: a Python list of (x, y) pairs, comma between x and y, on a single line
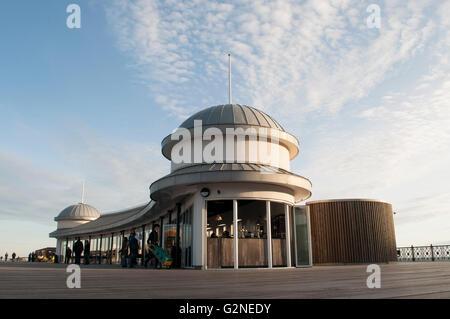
[(352, 232)]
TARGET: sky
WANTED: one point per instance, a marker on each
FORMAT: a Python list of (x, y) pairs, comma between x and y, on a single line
[(370, 106)]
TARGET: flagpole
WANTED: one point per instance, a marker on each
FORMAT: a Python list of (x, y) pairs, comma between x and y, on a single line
[(229, 78), (82, 194)]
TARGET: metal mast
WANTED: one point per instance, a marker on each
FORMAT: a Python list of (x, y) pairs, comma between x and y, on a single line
[(229, 78), (82, 194)]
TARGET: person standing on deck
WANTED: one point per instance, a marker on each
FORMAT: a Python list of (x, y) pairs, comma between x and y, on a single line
[(124, 252), (68, 255), (78, 249), (87, 251), (133, 244), (153, 239)]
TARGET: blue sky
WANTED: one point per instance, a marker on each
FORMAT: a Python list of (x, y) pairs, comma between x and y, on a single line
[(371, 107)]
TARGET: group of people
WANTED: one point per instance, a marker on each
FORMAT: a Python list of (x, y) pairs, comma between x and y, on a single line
[(32, 257), (130, 249), (13, 257), (78, 249)]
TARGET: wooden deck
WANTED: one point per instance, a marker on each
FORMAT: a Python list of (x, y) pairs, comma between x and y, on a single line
[(398, 280)]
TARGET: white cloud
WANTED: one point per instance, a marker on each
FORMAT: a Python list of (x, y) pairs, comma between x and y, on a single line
[(317, 66), (117, 175), (31, 192), (302, 56), (398, 151), (309, 62)]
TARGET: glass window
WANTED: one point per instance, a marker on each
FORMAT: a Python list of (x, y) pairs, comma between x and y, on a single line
[(118, 237), (169, 234), (252, 243), (292, 234), (302, 236), (148, 230), (94, 248), (219, 233), (114, 248), (278, 227), (186, 238)]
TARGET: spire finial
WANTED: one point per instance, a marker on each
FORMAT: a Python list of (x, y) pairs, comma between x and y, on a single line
[(82, 194), (229, 78)]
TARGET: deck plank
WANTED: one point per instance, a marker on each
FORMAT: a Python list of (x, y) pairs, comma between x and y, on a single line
[(398, 280)]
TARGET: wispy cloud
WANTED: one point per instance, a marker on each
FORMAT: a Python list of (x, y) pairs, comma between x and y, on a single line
[(377, 128), (398, 150), (301, 56), (374, 128), (117, 176)]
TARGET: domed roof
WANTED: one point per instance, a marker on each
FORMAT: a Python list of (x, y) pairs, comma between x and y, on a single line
[(232, 114), (79, 211)]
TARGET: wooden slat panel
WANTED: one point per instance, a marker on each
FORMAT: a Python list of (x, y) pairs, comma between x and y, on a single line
[(227, 257), (279, 252), (252, 252), (213, 252)]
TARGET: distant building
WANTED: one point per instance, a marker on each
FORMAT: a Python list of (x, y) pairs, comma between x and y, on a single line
[(237, 211)]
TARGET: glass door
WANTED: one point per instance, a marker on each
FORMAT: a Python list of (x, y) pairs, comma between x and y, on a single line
[(186, 238), (220, 234), (169, 237), (302, 237)]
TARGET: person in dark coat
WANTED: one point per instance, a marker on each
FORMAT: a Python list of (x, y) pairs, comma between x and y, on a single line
[(124, 251), (13, 256), (68, 255), (133, 244), (78, 250), (87, 251), (153, 240)]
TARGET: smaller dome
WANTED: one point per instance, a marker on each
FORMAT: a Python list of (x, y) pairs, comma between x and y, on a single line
[(79, 211)]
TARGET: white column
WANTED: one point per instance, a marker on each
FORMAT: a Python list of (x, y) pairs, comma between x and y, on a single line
[(236, 233), (117, 248), (59, 250), (204, 241), (288, 235), (198, 232), (269, 235)]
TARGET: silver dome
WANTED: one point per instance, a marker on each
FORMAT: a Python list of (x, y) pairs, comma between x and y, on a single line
[(79, 211), (232, 114)]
